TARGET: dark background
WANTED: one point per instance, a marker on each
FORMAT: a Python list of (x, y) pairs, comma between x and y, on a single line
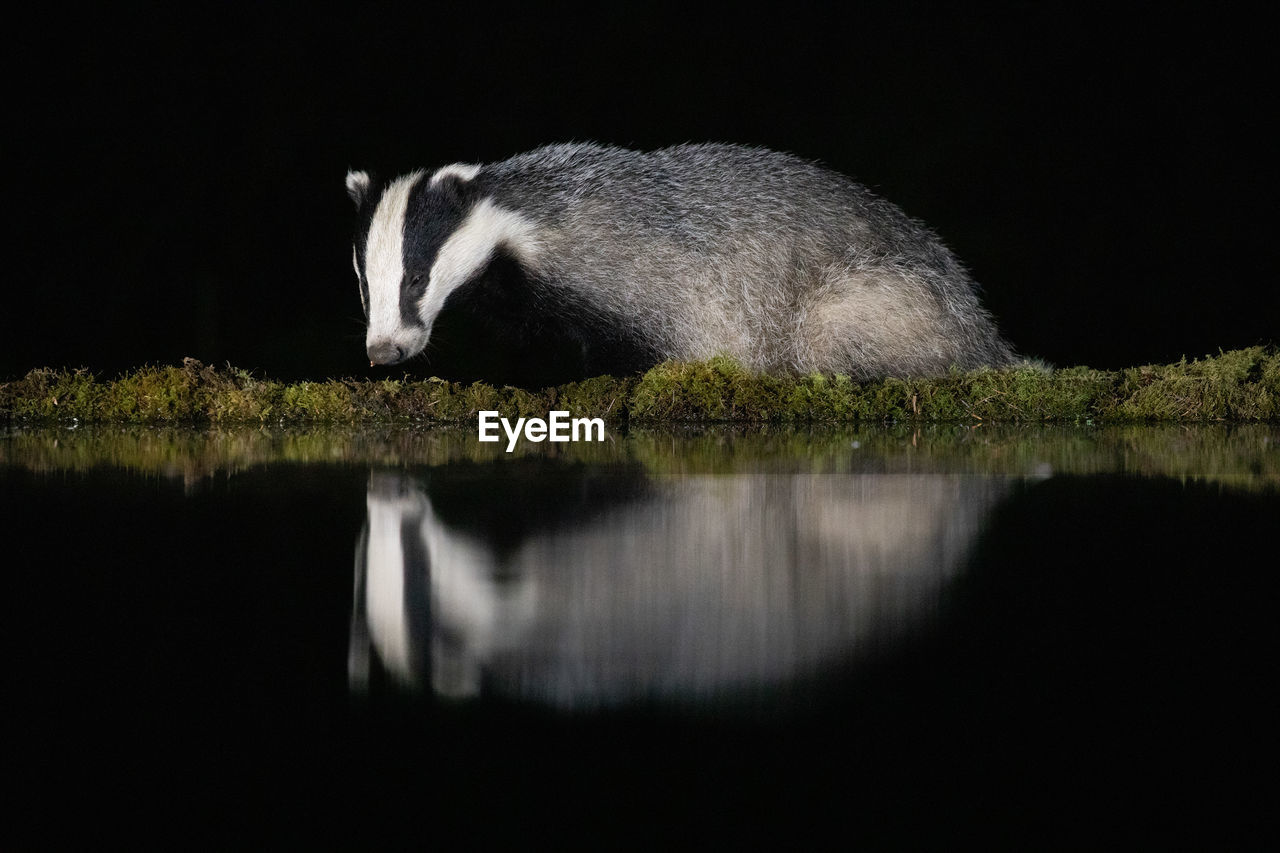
[(176, 177)]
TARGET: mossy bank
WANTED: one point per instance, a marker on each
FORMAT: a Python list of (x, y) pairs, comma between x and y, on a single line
[(1239, 385)]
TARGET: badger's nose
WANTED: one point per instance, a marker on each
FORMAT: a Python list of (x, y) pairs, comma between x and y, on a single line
[(384, 352)]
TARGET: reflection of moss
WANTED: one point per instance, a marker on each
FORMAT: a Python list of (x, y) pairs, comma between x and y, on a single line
[(1241, 456), (1241, 385)]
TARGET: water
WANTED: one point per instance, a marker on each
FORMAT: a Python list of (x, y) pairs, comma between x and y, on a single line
[(1034, 636)]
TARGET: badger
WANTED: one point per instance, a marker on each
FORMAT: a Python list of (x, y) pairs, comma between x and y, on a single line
[(629, 258)]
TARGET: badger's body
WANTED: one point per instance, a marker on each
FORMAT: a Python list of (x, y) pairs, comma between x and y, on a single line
[(682, 253)]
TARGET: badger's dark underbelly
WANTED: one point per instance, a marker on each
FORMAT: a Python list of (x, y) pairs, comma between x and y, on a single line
[(504, 327)]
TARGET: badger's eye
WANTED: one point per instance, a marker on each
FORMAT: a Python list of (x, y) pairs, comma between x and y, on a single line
[(418, 281)]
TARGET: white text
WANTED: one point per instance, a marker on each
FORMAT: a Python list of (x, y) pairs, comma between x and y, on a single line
[(558, 428)]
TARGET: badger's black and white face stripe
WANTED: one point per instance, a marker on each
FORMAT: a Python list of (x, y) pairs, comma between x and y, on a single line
[(419, 240)]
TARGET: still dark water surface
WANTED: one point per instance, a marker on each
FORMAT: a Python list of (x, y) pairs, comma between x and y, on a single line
[(1047, 637)]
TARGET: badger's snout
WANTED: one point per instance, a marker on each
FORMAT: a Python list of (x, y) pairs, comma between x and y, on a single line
[(385, 352)]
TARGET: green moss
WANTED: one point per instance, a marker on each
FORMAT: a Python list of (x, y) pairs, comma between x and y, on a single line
[(1237, 385), (699, 391), (1240, 385), (603, 396)]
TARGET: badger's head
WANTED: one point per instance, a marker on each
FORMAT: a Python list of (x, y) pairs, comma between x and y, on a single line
[(418, 240)]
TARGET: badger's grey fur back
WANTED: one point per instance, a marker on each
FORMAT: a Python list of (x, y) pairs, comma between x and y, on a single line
[(683, 253)]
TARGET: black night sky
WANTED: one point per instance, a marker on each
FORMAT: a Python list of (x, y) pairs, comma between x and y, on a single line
[(176, 176)]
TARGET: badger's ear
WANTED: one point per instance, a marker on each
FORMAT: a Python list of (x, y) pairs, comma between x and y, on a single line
[(454, 181), (358, 187)]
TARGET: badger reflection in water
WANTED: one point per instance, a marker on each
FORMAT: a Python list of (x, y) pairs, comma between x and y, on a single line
[(582, 587)]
